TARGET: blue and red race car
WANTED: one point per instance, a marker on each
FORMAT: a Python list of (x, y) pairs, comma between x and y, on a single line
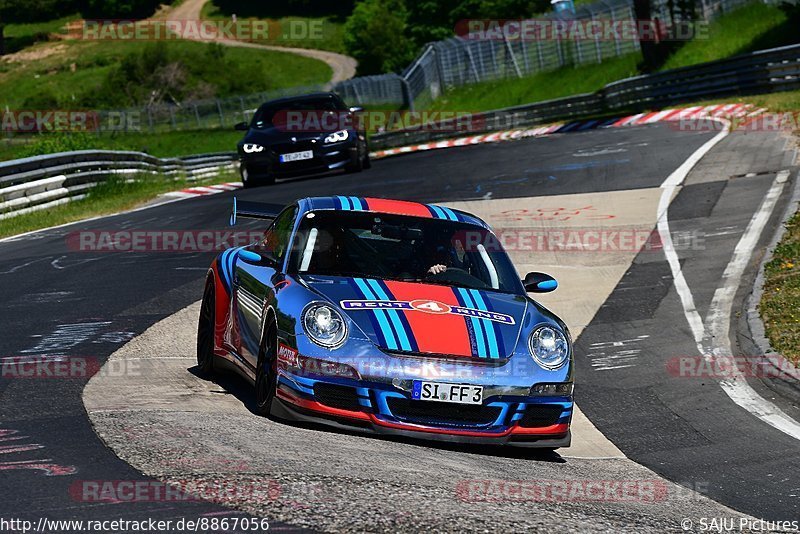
[(389, 317)]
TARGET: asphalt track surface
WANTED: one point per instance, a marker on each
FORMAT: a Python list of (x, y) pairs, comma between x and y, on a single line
[(59, 301)]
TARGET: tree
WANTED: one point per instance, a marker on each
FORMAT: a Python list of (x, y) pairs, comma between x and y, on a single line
[(375, 34), (433, 20)]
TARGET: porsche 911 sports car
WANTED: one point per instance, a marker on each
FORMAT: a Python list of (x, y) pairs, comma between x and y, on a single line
[(389, 317), (301, 135)]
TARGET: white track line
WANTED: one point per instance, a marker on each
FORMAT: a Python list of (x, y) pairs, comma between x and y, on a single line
[(714, 341), (669, 186)]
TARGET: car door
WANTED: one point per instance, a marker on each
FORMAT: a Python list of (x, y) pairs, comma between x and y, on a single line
[(254, 280)]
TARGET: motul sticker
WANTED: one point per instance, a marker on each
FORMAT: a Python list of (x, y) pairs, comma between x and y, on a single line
[(287, 355)]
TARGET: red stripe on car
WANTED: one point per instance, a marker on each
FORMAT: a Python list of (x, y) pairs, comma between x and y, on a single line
[(398, 207), (434, 333)]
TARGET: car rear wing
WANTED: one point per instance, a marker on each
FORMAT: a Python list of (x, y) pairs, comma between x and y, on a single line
[(254, 210)]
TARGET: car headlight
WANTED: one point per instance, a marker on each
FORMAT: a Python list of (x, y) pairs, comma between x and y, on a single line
[(249, 148), (324, 325), (337, 137), (549, 347)]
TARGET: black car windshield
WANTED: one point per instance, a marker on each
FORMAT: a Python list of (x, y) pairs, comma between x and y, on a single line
[(269, 114), (396, 247)]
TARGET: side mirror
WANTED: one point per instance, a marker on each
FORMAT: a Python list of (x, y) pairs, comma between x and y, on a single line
[(241, 126), (356, 109), (264, 256), (539, 283)]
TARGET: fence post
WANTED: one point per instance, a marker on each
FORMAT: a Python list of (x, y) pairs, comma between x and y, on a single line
[(221, 115), (439, 70), (617, 46), (596, 36), (408, 99), (524, 45), (539, 54), (472, 63), (513, 57), (197, 117)]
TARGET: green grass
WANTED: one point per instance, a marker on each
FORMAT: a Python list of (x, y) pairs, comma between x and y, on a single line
[(295, 31), (108, 197), (542, 86), (77, 74), (19, 36), (780, 303), (753, 27)]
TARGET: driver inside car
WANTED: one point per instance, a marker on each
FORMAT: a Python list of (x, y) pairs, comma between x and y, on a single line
[(450, 256)]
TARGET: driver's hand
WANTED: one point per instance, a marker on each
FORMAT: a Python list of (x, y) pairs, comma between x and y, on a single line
[(436, 269)]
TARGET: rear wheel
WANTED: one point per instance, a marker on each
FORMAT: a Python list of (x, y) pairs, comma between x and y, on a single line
[(205, 331), (267, 370)]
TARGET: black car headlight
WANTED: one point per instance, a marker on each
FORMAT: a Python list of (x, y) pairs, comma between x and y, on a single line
[(337, 137), (549, 347), (324, 325), (250, 148)]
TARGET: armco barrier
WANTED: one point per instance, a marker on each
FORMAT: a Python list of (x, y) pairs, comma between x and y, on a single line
[(41, 182)]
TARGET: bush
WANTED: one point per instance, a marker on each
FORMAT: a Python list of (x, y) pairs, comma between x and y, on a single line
[(375, 34), (159, 73), (50, 143)]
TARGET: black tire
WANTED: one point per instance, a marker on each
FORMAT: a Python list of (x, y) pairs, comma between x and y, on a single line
[(249, 181), (205, 331), (367, 162), (267, 370), (356, 164)]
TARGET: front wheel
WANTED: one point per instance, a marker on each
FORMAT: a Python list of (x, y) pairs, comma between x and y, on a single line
[(205, 331), (249, 180), (267, 371)]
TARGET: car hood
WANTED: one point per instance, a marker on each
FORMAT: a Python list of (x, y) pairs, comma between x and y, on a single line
[(428, 319), (277, 135)]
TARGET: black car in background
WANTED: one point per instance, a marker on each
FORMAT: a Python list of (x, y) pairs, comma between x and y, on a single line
[(301, 135)]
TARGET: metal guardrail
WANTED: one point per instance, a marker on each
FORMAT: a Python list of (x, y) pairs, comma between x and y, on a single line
[(40, 182), (765, 71)]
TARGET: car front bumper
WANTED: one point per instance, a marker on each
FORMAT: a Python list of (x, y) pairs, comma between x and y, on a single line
[(514, 418), (326, 159)]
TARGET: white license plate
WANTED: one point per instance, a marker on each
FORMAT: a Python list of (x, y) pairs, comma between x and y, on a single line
[(297, 156), (441, 392)]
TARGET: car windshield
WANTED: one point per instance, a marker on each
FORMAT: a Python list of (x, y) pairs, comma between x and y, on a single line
[(270, 115), (396, 247)]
